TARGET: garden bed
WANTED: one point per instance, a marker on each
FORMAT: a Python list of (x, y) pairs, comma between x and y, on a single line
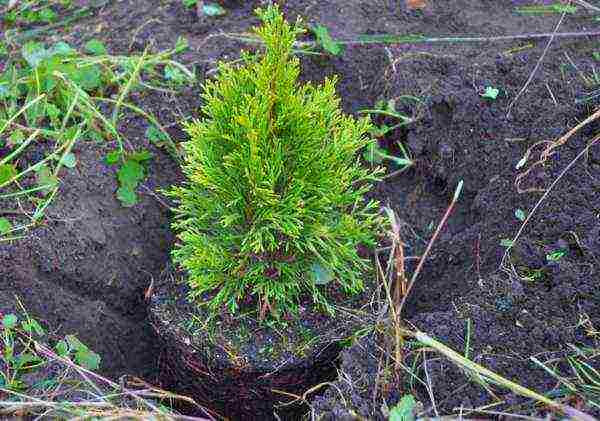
[(90, 265)]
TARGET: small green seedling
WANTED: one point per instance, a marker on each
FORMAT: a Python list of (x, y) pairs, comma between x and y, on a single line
[(19, 353), (207, 9), (374, 153), (16, 13), (5, 226), (388, 109), (213, 9), (532, 275), (556, 255), (130, 174), (490, 93), (520, 215)]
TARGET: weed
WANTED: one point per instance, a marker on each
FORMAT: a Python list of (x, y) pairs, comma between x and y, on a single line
[(273, 206), (15, 13), (20, 355), (556, 255), (375, 154), (404, 410), (54, 96), (490, 93), (326, 42), (520, 214), (38, 381)]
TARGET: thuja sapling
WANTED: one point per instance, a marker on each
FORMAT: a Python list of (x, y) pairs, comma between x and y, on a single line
[(273, 206)]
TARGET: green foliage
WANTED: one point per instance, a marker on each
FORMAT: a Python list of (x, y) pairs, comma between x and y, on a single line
[(490, 93), (520, 215), (404, 410), (387, 110), (273, 205), (325, 41), (130, 174), (56, 95), (19, 354), (556, 255), (31, 11)]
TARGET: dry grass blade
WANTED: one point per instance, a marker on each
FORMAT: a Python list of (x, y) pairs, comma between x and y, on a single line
[(549, 150), (505, 258), (107, 399)]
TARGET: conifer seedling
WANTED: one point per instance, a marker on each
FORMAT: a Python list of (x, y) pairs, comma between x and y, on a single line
[(273, 208)]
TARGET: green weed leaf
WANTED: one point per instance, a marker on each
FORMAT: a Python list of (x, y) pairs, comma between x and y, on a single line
[(505, 242), (213, 9), (63, 49), (181, 45), (404, 410), (26, 361), (88, 77), (5, 226), (156, 136), (45, 178), (32, 326), (61, 348), (95, 47), (175, 75), (9, 321), (556, 255), (140, 156), (326, 41), (47, 15), (130, 173), (83, 355), (520, 215), (129, 176), (7, 172), (490, 93), (34, 53), (113, 157), (87, 359), (16, 138), (75, 344), (69, 160), (127, 196)]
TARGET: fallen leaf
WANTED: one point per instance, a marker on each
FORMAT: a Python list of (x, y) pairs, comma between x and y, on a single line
[(416, 4)]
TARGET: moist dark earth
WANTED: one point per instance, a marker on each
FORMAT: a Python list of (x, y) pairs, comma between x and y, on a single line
[(87, 268)]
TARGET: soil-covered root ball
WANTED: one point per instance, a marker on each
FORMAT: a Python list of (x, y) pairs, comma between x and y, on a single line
[(246, 369)]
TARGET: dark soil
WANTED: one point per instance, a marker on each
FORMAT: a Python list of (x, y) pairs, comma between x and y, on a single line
[(87, 269)]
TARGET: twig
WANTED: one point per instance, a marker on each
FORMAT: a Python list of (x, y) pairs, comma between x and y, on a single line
[(539, 62), (430, 244), (418, 39)]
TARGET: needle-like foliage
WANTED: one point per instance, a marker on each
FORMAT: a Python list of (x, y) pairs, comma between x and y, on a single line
[(273, 206)]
